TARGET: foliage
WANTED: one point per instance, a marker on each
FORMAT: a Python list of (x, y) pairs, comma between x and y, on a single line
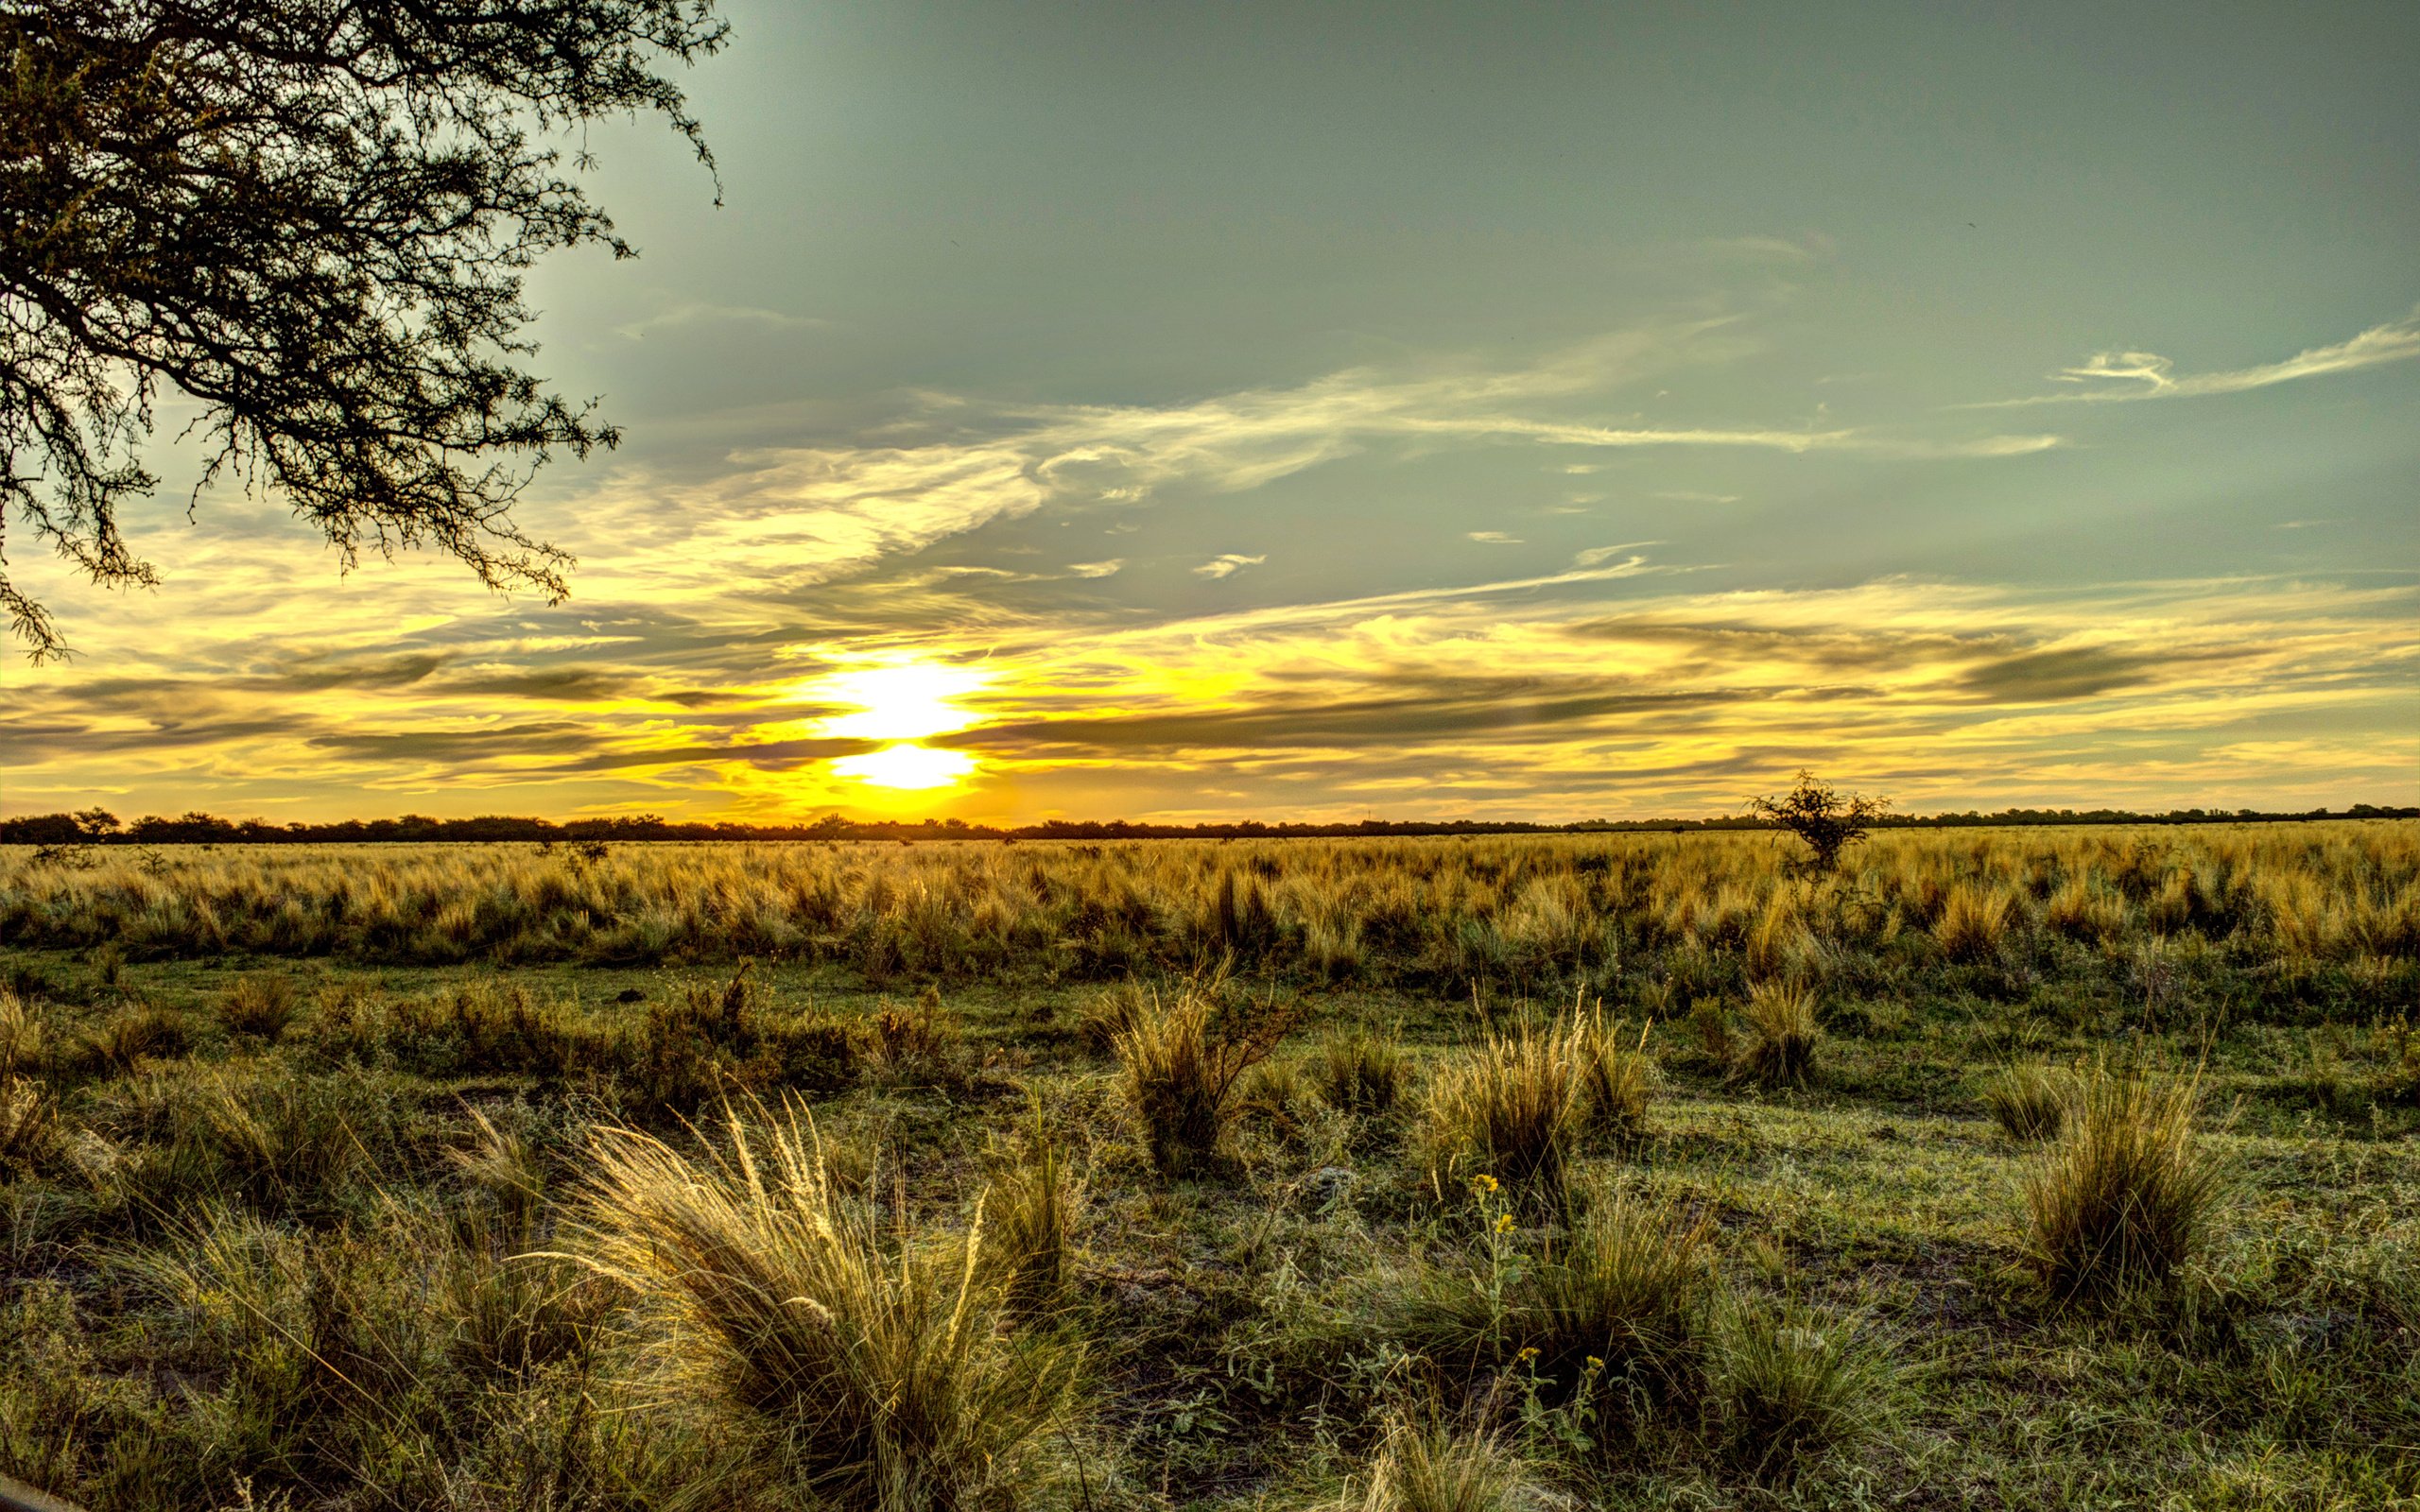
[(1819, 815), (2127, 1197), (311, 220)]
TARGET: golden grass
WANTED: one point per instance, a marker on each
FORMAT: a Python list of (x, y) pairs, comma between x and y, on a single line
[(2127, 1197), (872, 1357)]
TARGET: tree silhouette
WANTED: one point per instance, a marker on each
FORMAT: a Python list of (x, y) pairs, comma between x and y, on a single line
[(1817, 814), (312, 217)]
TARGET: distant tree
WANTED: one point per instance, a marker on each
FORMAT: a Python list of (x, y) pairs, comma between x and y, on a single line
[(98, 823), (312, 218), (1817, 814)]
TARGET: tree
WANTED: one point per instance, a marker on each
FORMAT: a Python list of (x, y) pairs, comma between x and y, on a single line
[(1817, 814), (312, 218)]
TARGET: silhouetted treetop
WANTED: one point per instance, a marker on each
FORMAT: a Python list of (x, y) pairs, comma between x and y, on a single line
[(312, 217)]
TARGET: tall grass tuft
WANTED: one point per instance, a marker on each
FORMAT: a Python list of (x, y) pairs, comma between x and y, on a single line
[(1031, 1211), (1183, 1056), (2029, 1102), (1431, 1469), (20, 1035), (2126, 1198), (259, 1006), (1510, 1107), (873, 1361), (1782, 1034), (1795, 1383), (1617, 1078), (1973, 922), (28, 1122), (1361, 1073)]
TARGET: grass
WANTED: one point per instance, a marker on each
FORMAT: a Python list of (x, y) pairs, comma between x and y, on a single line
[(873, 1363), (2129, 1196), (375, 1254)]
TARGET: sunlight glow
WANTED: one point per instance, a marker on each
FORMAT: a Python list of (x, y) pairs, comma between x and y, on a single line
[(897, 701), (906, 766)]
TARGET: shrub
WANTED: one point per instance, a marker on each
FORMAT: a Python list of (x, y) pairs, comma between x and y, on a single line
[(1183, 1060), (1782, 1034), (2126, 1198), (2029, 1102), (875, 1365), (1509, 1108), (1430, 1469), (703, 1045), (259, 1006), (1819, 816), (1361, 1073), (1794, 1383)]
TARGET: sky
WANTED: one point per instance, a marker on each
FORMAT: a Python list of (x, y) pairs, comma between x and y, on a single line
[(1416, 411)]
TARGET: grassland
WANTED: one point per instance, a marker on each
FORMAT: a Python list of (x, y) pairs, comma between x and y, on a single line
[(2015, 1168)]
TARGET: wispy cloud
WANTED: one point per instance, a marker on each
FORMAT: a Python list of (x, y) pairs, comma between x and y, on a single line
[(1227, 564), (1095, 569), (1492, 538), (700, 311), (2111, 377)]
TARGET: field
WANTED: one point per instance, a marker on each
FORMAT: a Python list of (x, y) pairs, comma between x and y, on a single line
[(2009, 1168)]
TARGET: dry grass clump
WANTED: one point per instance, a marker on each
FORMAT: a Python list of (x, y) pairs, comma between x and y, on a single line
[(1782, 1034), (1973, 923), (1510, 1108), (21, 1035), (705, 1043), (1361, 1073), (922, 1046), (259, 1006), (136, 1036), (1430, 1469), (2029, 1102), (1616, 1077), (2126, 1198), (870, 1357), (1183, 1056), (1794, 1384), (1029, 1213), (28, 1122)]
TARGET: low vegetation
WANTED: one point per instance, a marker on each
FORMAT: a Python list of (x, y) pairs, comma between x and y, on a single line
[(2003, 1168)]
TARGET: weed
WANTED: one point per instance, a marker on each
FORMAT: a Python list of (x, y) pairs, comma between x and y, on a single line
[(1183, 1057)]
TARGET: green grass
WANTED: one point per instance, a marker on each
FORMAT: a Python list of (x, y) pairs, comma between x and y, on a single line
[(440, 1234)]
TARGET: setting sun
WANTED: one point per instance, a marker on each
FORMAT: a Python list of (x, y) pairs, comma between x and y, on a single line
[(907, 766)]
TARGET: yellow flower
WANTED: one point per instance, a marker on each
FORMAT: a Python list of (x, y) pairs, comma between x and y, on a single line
[(1503, 1223), (1528, 1352), (1595, 1363), (1483, 1183)]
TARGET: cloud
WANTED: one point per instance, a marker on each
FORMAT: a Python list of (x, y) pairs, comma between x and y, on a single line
[(1096, 569), (1493, 538), (1226, 565), (1599, 555), (700, 311), (2148, 375)]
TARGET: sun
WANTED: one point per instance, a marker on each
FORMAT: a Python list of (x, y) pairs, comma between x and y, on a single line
[(903, 701), (907, 766)]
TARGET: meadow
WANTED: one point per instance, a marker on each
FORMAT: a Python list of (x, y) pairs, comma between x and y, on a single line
[(1999, 1168)]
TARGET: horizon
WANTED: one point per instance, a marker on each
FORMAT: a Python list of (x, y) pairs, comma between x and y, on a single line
[(1202, 418)]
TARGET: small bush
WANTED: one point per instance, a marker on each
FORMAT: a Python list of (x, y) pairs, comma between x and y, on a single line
[(1430, 1469), (705, 1044), (2029, 1102), (1361, 1073), (259, 1006), (2126, 1198), (1795, 1384), (1782, 1034), (1183, 1060), (875, 1365)]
